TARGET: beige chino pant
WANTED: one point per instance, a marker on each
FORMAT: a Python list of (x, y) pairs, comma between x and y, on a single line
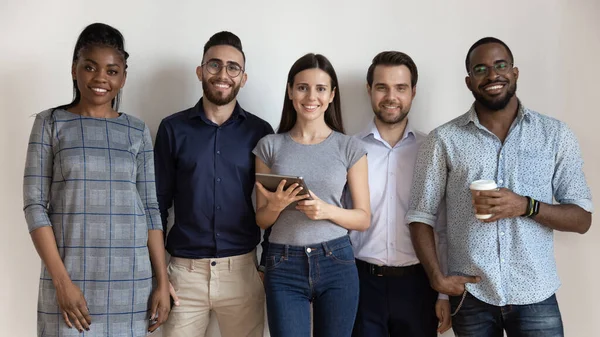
[(229, 286)]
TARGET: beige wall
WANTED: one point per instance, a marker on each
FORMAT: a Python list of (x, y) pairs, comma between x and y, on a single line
[(579, 45), (556, 45)]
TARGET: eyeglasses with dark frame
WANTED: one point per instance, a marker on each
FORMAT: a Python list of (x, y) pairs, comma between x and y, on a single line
[(214, 67), (501, 68)]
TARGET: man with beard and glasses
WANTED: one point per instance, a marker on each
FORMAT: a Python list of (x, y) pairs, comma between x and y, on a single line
[(396, 298), (501, 271), (205, 167)]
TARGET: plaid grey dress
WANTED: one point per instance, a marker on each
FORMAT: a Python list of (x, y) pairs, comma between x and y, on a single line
[(92, 181)]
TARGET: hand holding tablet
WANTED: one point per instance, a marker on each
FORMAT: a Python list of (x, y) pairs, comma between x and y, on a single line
[(281, 190), (271, 182)]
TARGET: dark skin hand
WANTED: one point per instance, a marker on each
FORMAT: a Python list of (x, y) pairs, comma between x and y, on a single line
[(424, 242), (504, 203)]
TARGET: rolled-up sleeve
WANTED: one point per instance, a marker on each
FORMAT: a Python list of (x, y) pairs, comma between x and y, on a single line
[(570, 186), (429, 182)]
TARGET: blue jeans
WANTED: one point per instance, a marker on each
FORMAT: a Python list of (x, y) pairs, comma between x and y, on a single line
[(323, 274), (479, 319)]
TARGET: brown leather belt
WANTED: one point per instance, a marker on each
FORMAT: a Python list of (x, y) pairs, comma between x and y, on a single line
[(376, 270)]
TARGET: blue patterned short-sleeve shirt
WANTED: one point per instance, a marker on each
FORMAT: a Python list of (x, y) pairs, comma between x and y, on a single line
[(539, 158)]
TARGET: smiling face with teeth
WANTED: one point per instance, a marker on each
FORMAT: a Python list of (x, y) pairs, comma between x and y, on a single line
[(311, 93), (221, 89), (492, 91), (100, 74), (391, 93)]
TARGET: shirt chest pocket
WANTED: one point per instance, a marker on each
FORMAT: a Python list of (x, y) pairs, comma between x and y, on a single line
[(535, 168)]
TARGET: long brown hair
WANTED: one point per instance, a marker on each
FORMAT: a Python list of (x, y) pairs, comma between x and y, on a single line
[(333, 114)]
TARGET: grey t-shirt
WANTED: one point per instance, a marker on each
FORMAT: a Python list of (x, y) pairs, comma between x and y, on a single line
[(324, 167)]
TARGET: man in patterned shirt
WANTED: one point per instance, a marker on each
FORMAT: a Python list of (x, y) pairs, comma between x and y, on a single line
[(501, 271)]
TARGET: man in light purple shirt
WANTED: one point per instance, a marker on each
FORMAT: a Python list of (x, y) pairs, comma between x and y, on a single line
[(396, 298)]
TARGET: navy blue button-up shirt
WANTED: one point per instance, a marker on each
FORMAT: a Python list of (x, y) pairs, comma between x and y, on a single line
[(207, 170)]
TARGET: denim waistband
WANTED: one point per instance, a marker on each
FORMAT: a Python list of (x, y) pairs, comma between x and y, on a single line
[(322, 248)]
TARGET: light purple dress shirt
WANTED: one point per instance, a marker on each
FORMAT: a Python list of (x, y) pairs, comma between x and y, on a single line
[(387, 241)]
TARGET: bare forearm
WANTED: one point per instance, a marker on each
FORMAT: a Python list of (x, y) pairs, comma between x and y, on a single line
[(423, 240), (157, 256), (565, 217), (45, 244), (351, 219), (266, 216)]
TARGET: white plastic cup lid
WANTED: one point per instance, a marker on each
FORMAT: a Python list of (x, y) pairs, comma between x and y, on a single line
[(483, 185)]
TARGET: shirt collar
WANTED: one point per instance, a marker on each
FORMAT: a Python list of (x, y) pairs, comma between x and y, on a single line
[(198, 112), (371, 130), (471, 115)]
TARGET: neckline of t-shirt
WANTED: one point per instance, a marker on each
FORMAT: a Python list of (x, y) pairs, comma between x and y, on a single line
[(316, 144), (121, 114)]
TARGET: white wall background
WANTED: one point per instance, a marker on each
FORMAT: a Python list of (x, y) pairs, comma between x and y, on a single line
[(555, 42)]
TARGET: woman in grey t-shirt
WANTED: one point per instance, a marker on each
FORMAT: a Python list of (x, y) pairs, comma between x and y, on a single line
[(310, 258)]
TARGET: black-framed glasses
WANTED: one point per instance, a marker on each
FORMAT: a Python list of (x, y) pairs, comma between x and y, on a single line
[(501, 68), (214, 67)]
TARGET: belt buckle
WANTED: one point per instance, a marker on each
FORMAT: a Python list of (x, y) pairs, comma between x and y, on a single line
[(373, 272)]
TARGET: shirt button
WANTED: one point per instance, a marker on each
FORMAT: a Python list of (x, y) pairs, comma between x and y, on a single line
[(308, 250), (500, 156), (503, 260), (501, 233), (218, 180), (218, 234), (214, 263), (218, 207), (500, 181), (218, 152)]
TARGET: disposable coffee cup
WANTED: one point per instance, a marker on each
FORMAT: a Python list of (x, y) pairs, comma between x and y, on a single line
[(482, 185)]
